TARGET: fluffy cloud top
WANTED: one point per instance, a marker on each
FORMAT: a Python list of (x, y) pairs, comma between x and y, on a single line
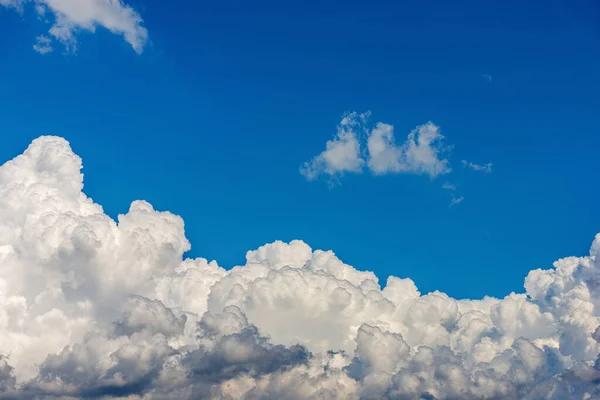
[(96, 308), (421, 153), (71, 16)]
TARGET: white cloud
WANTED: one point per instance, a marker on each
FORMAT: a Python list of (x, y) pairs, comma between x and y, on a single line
[(72, 16), (456, 200), (342, 153), (420, 154), (43, 45), (91, 307), (12, 3), (487, 168)]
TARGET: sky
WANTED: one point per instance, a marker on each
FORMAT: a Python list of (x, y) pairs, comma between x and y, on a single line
[(210, 110), (358, 201)]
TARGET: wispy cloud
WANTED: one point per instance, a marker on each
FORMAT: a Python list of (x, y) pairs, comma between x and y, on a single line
[(487, 77), (72, 16), (43, 45), (455, 201), (487, 168)]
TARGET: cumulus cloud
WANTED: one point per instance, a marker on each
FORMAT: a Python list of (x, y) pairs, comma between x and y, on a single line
[(421, 153), (342, 153), (487, 168), (71, 16), (91, 307)]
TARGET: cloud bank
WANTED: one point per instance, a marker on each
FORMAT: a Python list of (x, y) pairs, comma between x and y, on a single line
[(71, 16), (96, 308)]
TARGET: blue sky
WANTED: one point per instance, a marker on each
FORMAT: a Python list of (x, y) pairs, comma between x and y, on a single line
[(214, 118)]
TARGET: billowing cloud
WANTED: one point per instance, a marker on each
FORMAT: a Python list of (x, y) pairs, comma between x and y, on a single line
[(71, 16), (487, 168), (91, 307)]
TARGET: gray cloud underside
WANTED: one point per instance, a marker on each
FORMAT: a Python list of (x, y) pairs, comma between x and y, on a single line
[(94, 308)]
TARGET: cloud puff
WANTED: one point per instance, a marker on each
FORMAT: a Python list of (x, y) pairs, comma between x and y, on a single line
[(487, 168), (71, 16), (419, 154), (91, 307), (43, 45), (342, 153)]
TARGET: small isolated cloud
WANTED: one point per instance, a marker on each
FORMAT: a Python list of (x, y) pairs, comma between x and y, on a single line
[(72, 16), (342, 153), (487, 168), (456, 200), (43, 45), (487, 77), (97, 308), (419, 154)]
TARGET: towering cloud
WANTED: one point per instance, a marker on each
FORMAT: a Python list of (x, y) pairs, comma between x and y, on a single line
[(96, 308)]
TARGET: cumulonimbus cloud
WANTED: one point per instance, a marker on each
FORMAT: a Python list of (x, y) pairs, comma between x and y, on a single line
[(71, 16), (91, 307)]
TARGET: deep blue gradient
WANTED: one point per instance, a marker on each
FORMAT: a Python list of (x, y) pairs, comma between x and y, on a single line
[(213, 120)]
